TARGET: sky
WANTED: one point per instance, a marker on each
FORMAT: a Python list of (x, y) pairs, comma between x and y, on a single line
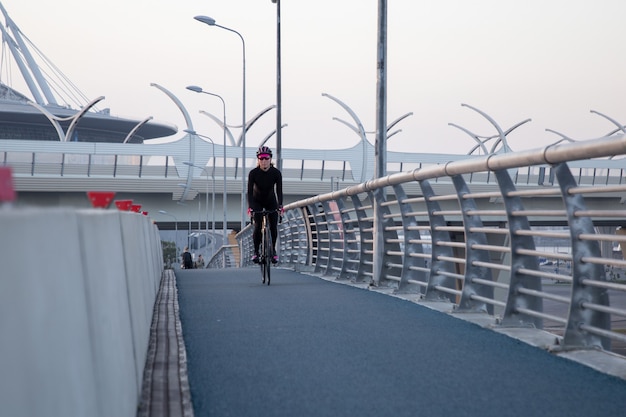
[(549, 61)]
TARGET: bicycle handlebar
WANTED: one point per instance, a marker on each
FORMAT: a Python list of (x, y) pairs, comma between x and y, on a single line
[(264, 211)]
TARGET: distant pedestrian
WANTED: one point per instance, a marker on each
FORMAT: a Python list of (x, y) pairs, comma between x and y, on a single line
[(200, 262), (187, 259)]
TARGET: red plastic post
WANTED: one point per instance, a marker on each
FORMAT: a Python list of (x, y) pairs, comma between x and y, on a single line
[(145, 213), (100, 199), (123, 205), (7, 191)]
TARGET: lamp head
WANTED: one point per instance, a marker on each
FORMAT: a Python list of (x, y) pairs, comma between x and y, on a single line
[(194, 88), (205, 19)]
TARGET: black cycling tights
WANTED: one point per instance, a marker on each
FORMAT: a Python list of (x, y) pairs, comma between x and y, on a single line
[(258, 222)]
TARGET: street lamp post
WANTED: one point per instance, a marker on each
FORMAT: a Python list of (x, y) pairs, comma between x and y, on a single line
[(197, 89), (380, 162), (183, 204), (211, 22), (175, 233), (189, 221), (279, 159)]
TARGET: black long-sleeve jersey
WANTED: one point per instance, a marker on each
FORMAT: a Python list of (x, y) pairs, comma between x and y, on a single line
[(265, 189)]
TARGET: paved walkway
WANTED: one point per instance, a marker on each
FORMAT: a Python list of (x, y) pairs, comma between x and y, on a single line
[(308, 347)]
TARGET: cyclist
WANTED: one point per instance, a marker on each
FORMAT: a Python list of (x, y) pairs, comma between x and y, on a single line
[(265, 191)]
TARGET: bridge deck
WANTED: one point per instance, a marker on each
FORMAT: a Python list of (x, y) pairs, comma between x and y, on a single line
[(308, 347)]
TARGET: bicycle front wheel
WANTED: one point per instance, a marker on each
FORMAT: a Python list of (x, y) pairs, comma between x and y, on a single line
[(269, 250), (263, 270)]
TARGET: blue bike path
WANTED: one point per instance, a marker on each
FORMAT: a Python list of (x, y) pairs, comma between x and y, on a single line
[(304, 346)]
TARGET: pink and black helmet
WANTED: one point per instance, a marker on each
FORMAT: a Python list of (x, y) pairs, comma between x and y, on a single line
[(264, 150)]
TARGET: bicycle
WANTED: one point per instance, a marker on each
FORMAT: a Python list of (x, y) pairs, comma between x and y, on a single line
[(267, 248)]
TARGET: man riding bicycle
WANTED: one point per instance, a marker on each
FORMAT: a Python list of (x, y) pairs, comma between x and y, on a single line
[(265, 191)]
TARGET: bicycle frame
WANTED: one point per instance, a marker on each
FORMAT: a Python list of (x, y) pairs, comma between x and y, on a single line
[(267, 247)]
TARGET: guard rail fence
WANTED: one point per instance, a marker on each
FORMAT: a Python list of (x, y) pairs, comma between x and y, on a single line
[(539, 254)]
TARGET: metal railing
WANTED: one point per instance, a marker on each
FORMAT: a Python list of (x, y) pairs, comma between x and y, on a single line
[(541, 256), (32, 160), (223, 258)]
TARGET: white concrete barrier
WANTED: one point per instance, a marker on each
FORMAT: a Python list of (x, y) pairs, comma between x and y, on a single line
[(141, 293), (108, 306), (75, 313)]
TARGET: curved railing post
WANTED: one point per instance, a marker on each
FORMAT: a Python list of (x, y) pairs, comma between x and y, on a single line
[(378, 237), (440, 269), (288, 238), (351, 240), (283, 239), (364, 227), (305, 240), (474, 257), (348, 240), (388, 266), (411, 235), (323, 239), (518, 301), (245, 243), (334, 243), (579, 316), (318, 225)]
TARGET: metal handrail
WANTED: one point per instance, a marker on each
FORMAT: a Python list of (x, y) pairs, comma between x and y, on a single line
[(481, 251), (224, 257)]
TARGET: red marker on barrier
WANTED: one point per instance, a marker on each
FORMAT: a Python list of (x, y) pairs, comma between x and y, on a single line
[(7, 191), (123, 205), (100, 199), (135, 208)]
